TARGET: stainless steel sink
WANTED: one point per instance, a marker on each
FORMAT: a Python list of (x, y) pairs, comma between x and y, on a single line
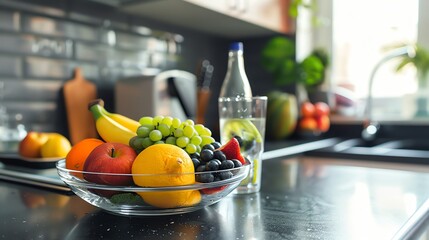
[(392, 150)]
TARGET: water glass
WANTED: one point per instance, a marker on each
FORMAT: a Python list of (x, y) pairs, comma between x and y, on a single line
[(244, 118)]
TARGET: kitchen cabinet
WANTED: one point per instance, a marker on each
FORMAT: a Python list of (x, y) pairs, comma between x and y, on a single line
[(228, 18)]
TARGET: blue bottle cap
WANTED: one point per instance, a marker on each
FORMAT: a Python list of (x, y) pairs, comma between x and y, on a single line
[(236, 46)]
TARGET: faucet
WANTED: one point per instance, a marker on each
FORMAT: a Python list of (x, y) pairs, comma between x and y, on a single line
[(371, 127)]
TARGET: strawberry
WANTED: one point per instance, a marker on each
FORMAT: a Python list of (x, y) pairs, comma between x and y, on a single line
[(213, 190), (232, 150)]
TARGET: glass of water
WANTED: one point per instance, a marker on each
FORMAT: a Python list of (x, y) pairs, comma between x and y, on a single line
[(244, 118)]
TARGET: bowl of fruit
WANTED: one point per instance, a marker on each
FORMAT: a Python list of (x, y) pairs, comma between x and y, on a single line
[(159, 166)]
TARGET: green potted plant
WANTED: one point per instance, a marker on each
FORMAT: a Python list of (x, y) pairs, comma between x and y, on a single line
[(279, 59), (420, 60)]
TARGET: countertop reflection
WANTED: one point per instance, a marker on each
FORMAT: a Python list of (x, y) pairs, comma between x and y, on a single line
[(301, 198)]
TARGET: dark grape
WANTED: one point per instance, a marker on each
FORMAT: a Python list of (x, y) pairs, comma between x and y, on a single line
[(227, 164), (208, 146), (225, 175), (196, 162), (206, 155), (204, 177), (219, 155), (216, 145), (237, 163), (213, 165), (201, 168), (195, 155)]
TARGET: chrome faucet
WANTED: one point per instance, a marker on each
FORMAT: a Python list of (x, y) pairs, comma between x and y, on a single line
[(371, 127)]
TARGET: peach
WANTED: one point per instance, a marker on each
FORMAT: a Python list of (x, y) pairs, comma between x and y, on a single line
[(32, 143)]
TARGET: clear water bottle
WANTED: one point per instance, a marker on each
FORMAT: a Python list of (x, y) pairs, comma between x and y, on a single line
[(236, 83)]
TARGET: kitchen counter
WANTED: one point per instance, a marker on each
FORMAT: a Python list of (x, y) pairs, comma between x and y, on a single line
[(301, 198)]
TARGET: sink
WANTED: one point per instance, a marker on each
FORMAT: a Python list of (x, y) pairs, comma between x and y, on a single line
[(389, 150)]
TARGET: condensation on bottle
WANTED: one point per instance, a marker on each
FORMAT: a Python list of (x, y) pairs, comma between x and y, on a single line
[(236, 83)]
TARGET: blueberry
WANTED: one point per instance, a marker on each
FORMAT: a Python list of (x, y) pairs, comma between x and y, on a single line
[(196, 162), (225, 175), (204, 177), (227, 164), (237, 163), (201, 168), (213, 165), (219, 155), (208, 146), (206, 155), (216, 145)]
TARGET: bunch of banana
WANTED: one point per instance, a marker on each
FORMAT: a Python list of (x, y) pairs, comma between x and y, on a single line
[(112, 127)]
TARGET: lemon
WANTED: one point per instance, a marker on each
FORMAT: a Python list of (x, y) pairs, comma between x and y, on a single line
[(56, 146), (171, 166)]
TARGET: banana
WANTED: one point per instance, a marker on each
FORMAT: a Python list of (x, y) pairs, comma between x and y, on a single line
[(109, 129), (127, 122)]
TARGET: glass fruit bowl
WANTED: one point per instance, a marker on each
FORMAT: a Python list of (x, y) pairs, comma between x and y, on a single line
[(151, 201)]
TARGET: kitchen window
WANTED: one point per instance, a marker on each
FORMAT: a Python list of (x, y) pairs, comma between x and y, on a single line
[(358, 34)]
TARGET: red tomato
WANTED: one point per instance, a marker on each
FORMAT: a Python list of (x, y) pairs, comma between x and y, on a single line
[(307, 109), (308, 123), (323, 123), (321, 109)]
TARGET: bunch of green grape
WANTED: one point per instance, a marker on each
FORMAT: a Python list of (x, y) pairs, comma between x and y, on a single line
[(159, 130)]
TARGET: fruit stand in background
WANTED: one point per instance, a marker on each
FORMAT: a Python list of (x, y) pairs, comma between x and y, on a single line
[(314, 118)]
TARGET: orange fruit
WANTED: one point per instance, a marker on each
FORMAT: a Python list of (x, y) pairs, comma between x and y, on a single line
[(307, 109), (170, 166), (76, 157)]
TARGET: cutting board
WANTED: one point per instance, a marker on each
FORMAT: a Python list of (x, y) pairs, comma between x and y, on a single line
[(78, 92)]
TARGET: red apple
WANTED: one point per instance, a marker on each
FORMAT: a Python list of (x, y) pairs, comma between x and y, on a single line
[(321, 109), (116, 158), (323, 123), (32, 143)]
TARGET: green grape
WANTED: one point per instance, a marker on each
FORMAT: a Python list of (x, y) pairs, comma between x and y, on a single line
[(146, 142), (164, 129), (205, 132), (182, 125), (199, 128), (176, 122), (178, 132), (159, 142), (196, 140), (143, 131), (155, 135), (149, 126), (157, 120), (206, 140), (189, 131), (198, 148), (171, 140), (190, 122), (146, 121), (191, 148), (136, 143), (182, 141), (167, 121)]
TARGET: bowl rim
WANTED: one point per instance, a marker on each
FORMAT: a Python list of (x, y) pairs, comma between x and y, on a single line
[(78, 182)]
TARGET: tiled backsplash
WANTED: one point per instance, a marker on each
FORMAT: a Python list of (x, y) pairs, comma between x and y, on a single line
[(39, 50)]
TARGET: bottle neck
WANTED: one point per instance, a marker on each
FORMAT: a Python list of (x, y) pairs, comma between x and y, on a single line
[(236, 61), (236, 83)]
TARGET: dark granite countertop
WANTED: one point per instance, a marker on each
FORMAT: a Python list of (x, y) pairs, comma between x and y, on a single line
[(302, 197)]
